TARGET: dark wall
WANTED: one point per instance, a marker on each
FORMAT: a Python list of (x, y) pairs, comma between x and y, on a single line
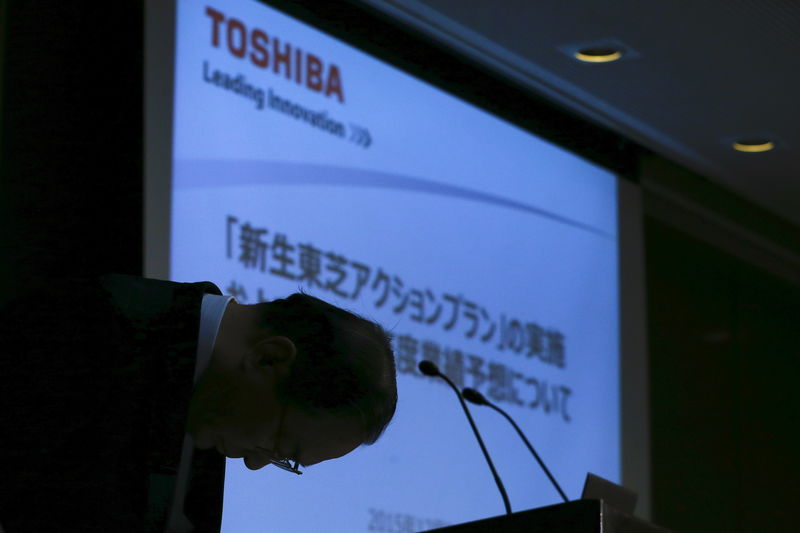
[(71, 152), (725, 361)]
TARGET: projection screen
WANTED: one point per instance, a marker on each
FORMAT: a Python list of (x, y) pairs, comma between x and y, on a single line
[(283, 159)]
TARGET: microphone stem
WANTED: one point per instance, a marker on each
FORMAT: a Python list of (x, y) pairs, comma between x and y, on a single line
[(530, 447), (483, 447)]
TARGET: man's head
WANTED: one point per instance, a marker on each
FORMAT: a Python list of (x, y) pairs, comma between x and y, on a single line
[(330, 373), (343, 366)]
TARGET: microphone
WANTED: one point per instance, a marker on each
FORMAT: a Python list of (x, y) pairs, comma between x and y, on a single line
[(473, 396), (430, 369)]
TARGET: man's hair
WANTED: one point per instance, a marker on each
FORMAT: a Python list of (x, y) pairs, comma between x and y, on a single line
[(344, 363)]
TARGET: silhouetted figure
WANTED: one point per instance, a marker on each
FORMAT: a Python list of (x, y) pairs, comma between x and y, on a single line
[(121, 396)]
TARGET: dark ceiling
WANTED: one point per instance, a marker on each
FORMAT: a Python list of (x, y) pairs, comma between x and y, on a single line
[(696, 75)]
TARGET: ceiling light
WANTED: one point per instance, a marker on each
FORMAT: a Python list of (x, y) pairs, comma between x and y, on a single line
[(753, 145), (604, 50), (598, 55)]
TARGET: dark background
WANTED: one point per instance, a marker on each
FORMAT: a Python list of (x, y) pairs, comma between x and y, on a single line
[(723, 334)]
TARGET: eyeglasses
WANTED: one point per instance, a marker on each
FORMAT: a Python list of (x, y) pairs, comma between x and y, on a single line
[(283, 464)]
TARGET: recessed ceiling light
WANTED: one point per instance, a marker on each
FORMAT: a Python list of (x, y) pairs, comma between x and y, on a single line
[(604, 50), (753, 145), (598, 55)]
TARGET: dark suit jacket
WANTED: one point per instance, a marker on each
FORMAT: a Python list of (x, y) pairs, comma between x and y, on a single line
[(95, 382)]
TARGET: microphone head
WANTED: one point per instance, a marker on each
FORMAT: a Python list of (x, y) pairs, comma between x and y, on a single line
[(473, 396), (428, 368)]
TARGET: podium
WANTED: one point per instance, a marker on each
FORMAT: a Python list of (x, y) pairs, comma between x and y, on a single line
[(579, 516)]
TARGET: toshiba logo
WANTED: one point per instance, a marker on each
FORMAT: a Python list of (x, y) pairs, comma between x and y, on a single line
[(268, 52)]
